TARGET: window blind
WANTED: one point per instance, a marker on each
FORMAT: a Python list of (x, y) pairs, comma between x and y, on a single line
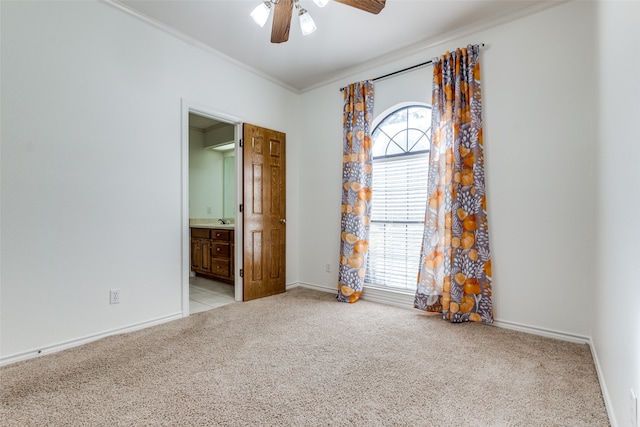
[(397, 220)]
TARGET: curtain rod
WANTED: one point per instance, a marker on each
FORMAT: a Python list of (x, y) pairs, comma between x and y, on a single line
[(402, 71)]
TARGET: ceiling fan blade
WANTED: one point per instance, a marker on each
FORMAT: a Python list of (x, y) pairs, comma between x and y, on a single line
[(281, 21), (371, 6)]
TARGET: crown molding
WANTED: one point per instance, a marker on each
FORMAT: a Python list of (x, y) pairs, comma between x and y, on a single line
[(358, 70), (196, 43), (419, 47)]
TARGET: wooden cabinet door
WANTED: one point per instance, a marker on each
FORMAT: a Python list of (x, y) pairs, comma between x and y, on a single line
[(200, 255), (205, 245), (196, 255), (264, 238)]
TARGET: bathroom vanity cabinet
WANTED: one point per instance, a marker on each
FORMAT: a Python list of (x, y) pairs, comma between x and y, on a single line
[(212, 253)]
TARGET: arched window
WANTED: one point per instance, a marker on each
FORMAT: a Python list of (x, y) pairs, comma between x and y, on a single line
[(400, 150)]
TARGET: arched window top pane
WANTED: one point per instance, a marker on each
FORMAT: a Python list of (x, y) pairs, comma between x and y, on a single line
[(404, 131)]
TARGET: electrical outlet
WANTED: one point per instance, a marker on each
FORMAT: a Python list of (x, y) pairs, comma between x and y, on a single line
[(208, 210), (633, 402), (114, 296), (327, 268)]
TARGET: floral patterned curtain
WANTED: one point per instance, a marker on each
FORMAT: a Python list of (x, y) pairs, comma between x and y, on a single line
[(356, 189), (455, 262)]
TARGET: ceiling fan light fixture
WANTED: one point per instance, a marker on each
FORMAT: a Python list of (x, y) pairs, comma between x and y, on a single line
[(306, 22), (283, 13), (260, 14)]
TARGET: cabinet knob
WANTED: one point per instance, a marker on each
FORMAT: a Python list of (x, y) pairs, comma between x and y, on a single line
[(283, 221)]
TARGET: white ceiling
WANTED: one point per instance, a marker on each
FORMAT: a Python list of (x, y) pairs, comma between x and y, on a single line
[(331, 52)]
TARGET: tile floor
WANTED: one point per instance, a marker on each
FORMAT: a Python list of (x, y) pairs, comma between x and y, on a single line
[(205, 294)]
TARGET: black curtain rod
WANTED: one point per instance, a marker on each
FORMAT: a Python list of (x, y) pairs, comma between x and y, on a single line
[(397, 72), (403, 70)]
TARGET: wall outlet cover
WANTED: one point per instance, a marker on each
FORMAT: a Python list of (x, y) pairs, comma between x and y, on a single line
[(114, 296)]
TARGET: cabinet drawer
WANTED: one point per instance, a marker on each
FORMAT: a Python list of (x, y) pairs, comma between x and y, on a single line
[(220, 267), (220, 250), (200, 232), (222, 235)]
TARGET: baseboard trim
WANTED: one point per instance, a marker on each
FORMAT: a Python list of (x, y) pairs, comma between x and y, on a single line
[(603, 385), (403, 299), (54, 348), (381, 296), (321, 288), (535, 330)]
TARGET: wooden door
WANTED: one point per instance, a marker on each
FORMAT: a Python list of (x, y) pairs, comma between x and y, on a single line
[(264, 212)]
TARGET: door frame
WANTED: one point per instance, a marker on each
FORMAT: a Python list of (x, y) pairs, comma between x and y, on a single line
[(187, 107)]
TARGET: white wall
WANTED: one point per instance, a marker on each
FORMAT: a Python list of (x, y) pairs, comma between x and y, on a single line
[(206, 183), (539, 137), (616, 317), (91, 166)]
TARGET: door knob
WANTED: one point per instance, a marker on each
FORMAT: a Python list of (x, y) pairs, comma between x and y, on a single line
[(283, 221)]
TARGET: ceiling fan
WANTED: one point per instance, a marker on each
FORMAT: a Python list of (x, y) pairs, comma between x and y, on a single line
[(283, 10)]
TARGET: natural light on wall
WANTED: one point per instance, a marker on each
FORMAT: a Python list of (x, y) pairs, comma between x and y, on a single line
[(225, 147)]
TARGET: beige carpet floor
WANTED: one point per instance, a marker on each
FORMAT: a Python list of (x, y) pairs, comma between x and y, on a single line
[(303, 359)]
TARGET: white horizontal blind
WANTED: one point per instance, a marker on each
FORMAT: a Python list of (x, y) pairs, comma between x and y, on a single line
[(397, 220)]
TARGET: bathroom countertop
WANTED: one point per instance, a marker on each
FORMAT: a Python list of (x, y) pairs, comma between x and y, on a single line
[(209, 223), (224, 226)]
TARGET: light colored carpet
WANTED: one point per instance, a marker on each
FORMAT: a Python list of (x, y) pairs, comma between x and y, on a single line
[(302, 358)]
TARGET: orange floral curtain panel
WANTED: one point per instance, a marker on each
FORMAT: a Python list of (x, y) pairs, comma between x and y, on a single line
[(356, 189), (455, 262)]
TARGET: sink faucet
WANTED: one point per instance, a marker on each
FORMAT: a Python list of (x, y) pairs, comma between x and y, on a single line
[(221, 221)]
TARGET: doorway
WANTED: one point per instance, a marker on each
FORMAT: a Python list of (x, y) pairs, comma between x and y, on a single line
[(256, 241), (210, 188)]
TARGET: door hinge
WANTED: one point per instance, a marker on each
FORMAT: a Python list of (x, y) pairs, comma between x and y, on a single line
[(241, 207), (241, 142), (241, 272)]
